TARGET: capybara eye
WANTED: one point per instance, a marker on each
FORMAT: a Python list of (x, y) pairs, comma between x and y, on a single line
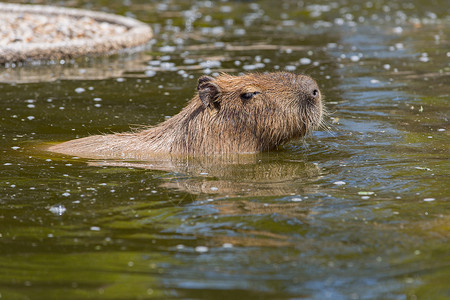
[(315, 93), (248, 96)]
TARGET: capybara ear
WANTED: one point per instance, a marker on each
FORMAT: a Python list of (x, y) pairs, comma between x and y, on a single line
[(209, 92), (202, 80)]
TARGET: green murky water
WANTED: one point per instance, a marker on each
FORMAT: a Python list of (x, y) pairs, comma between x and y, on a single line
[(361, 212)]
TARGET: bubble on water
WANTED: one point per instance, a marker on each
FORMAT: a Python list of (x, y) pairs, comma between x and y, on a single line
[(180, 247), (154, 63), (120, 79), (424, 59), (441, 129), (339, 21), (30, 118), (31, 105), (305, 61), (80, 90), (240, 32), (422, 168), (374, 81), (288, 23), (210, 64), (227, 245), (296, 199), (253, 67), (201, 249), (332, 45), (162, 6), (189, 61), (95, 228), (354, 58), (15, 147), (167, 49), (364, 193), (398, 30), (57, 209), (214, 189), (7, 164), (429, 199), (339, 182), (216, 31), (254, 6), (226, 9), (290, 68), (431, 15), (66, 194), (168, 66), (97, 99), (386, 66), (365, 197)]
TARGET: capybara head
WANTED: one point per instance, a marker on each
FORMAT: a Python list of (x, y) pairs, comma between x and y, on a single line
[(267, 109)]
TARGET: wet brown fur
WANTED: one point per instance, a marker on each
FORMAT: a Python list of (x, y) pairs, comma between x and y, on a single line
[(220, 120)]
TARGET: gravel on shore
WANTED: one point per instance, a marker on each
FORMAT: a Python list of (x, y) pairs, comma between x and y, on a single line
[(38, 32), (32, 28)]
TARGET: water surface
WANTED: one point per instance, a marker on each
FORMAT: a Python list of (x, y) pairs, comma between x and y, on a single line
[(357, 212)]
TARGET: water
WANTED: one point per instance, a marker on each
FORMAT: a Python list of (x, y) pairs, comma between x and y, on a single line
[(358, 212)]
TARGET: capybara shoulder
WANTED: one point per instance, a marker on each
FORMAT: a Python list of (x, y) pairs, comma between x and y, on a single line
[(228, 114)]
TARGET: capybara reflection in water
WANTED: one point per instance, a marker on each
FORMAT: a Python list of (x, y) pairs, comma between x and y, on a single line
[(229, 114)]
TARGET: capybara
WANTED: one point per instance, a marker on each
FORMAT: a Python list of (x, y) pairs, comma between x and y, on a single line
[(228, 115)]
